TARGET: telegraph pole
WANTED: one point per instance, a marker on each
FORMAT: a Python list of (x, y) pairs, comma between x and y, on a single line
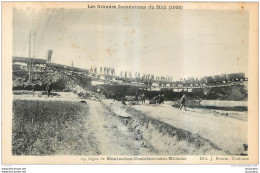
[(30, 60)]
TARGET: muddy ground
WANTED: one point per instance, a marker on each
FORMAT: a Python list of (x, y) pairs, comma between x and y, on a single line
[(109, 128)]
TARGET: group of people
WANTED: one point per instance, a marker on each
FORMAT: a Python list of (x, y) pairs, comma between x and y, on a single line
[(126, 74), (47, 88), (142, 97), (105, 70), (158, 100)]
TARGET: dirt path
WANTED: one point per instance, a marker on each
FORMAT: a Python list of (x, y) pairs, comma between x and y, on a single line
[(111, 136), (102, 133)]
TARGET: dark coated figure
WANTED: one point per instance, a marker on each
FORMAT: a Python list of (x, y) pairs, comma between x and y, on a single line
[(183, 101)]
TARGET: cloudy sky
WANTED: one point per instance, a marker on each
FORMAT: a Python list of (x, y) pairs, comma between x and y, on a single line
[(175, 43)]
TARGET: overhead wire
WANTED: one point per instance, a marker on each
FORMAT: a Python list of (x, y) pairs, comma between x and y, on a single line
[(43, 33), (48, 36), (47, 23), (60, 30)]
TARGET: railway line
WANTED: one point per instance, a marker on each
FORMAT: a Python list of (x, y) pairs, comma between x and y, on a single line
[(143, 82)]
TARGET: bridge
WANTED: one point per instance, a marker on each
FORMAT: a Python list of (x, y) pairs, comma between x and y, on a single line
[(155, 84)]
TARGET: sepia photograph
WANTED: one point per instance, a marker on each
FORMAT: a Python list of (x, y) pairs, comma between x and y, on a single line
[(131, 83)]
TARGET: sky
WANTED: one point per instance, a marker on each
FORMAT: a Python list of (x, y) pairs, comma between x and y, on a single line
[(187, 43)]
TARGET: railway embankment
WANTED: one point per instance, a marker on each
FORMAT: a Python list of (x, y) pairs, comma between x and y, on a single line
[(191, 132)]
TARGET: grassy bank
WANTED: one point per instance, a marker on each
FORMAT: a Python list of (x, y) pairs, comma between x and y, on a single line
[(47, 127)]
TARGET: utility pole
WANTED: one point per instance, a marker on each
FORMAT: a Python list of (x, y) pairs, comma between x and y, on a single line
[(30, 60)]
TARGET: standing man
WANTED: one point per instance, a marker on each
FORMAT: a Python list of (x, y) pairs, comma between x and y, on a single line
[(136, 96), (161, 99), (95, 69), (123, 100), (48, 90), (125, 74), (143, 97), (112, 71), (183, 101), (33, 89)]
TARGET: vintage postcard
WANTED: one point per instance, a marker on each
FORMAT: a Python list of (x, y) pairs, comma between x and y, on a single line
[(129, 83)]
